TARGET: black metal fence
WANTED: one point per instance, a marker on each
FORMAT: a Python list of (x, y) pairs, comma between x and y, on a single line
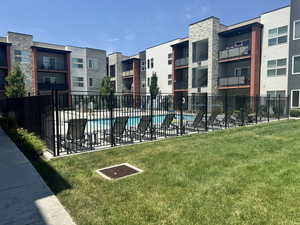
[(71, 123)]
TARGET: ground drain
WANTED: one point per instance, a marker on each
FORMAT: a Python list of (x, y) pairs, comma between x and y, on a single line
[(118, 171)]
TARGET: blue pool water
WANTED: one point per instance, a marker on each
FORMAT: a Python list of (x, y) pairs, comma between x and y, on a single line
[(133, 121)]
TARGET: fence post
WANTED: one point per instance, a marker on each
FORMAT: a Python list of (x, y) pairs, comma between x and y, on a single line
[(110, 105), (53, 122), (226, 109), (256, 108), (268, 108), (57, 122), (278, 108), (181, 114), (206, 111), (288, 106), (151, 115)]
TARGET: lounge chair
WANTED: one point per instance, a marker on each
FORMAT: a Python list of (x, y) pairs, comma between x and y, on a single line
[(75, 139), (141, 130), (167, 125), (119, 130), (197, 123)]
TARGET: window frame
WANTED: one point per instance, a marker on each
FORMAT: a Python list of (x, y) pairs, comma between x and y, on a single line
[(293, 65), (277, 36), (294, 31), (293, 90), (276, 67)]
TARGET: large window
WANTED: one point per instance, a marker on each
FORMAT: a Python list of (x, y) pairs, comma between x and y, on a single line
[(199, 78), (49, 62), (297, 30), (93, 64), (78, 81), (77, 63), (278, 36), (21, 56), (277, 67), (200, 50), (296, 64), (112, 70), (295, 98), (170, 58)]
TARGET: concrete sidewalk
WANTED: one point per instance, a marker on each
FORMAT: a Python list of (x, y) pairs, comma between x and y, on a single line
[(25, 199)]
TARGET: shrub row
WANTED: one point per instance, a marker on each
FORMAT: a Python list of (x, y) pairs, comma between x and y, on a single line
[(295, 112)]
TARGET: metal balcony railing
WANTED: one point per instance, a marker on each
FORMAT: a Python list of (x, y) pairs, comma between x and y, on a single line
[(181, 85), (57, 66), (128, 73), (50, 86), (182, 61), (234, 52), (234, 81)]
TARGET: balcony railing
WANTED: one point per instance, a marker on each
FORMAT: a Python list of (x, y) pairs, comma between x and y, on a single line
[(181, 85), (235, 52), (57, 66), (182, 62), (128, 73), (50, 86), (234, 81)]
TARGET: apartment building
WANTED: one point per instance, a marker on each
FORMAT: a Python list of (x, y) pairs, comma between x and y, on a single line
[(50, 66)]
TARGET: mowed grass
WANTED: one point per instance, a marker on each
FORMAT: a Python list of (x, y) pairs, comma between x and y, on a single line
[(241, 176)]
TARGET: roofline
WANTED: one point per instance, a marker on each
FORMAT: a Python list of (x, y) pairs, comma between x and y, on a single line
[(244, 21), (163, 43), (236, 28), (207, 18), (53, 49), (19, 33), (276, 9)]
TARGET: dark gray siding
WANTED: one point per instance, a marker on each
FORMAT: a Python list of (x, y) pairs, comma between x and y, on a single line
[(142, 56), (294, 80)]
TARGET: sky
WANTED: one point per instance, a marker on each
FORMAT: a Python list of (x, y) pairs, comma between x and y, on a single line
[(127, 26)]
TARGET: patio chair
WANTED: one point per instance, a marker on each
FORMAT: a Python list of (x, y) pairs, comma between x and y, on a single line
[(119, 130), (141, 130), (167, 125), (75, 139), (197, 123)]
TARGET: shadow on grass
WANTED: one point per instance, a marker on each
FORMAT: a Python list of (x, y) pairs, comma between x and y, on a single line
[(53, 179)]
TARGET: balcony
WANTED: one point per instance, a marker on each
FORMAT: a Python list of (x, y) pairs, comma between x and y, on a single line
[(234, 81), (49, 86), (127, 73), (234, 52), (58, 66), (182, 62), (179, 85)]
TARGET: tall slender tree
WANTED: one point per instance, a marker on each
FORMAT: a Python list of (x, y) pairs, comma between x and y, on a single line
[(154, 89), (15, 87), (105, 87)]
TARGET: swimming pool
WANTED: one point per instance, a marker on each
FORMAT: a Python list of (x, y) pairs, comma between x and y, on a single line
[(133, 121)]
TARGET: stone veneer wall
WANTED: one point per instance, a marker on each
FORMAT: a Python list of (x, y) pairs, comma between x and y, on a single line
[(22, 42)]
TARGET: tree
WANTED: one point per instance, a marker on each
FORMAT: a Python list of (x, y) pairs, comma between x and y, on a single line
[(15, 87), (154, 89), (105, 88)]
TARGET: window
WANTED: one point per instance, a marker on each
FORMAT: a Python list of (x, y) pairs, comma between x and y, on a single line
[(152, 63), (49, 63), (297, 30), (277, 67), (93, 64), (200, 50), (295, 98), (77, 63), (170, 61), (296, 64), (169, 79), (148, 64), (78, 81), (278, 36), (21, 56), (170, 56), (241, 71), (148, 81), (199, 77), (143, 65), (91, 82), (112, 70)]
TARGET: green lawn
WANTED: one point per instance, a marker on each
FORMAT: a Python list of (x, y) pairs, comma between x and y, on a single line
[(240, 176)]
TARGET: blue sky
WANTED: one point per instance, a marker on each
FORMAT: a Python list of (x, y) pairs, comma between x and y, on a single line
[(128, 26)]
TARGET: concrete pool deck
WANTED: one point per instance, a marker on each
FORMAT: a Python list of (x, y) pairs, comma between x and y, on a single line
[(25, 199)]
